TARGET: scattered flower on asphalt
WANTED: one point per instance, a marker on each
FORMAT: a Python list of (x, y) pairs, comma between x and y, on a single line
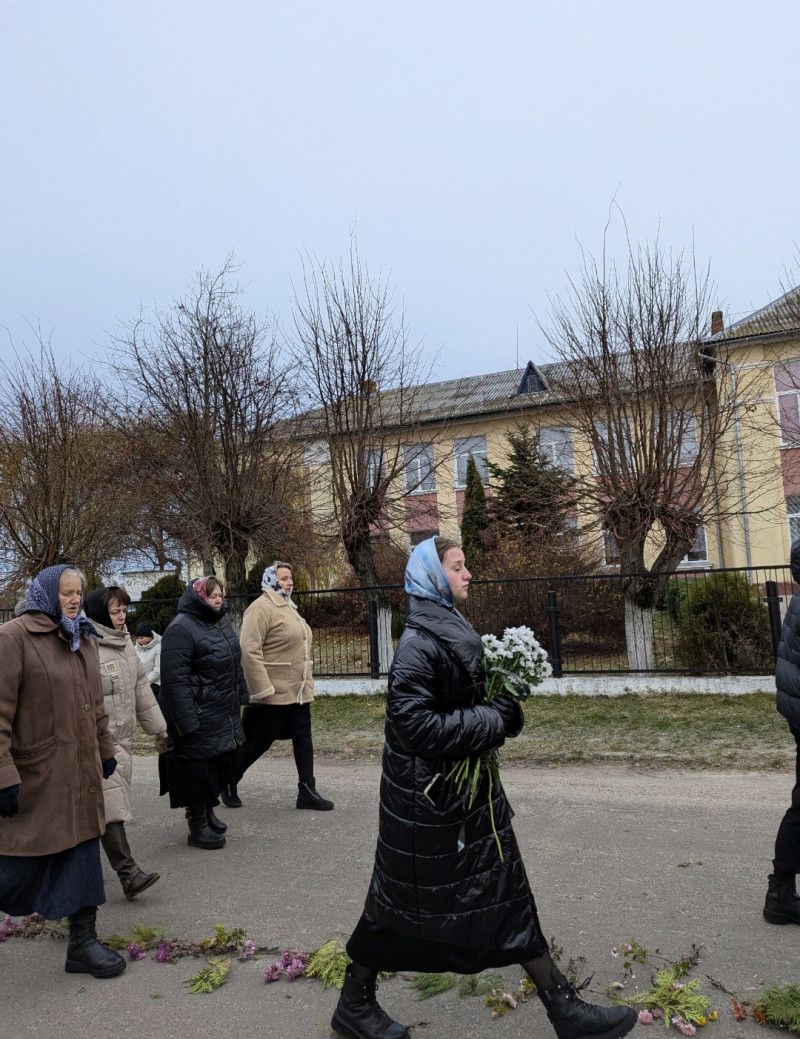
[(683, 1026), (136, 952), (248, 950), (295, 969), (645, 1017), (163, 952), (272, 973)]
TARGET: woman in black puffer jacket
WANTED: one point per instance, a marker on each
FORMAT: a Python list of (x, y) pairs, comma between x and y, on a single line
[(202, 690), (782, 904), (441, 898)]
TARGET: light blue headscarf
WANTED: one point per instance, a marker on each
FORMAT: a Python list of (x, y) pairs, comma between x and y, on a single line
[(269, 579), (425, 576)]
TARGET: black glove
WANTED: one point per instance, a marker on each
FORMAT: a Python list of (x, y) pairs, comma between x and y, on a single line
[(109, 767), (9, 802), (511, 713)]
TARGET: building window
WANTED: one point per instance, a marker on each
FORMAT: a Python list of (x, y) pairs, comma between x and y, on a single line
[(555, 443), (419, 468), (416, 537), (685, 426), (698, 553), (793, 516), (462, 449), (374, 469), (787, 386), (610, 549)]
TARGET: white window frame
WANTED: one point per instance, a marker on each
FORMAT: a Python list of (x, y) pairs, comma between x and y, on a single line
[(463, 447), (793, 516), (419, 469), (700, 546), (555, 443), (788, 398)]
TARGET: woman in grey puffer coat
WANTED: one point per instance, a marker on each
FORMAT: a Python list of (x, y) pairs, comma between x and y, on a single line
[(782, 905)]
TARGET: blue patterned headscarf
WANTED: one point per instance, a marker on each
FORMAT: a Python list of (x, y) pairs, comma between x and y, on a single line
[(425, 576), (269, 580), (43, 596)]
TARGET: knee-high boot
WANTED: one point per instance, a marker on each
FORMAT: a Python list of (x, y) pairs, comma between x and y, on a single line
[(85, 955), (134, 880)]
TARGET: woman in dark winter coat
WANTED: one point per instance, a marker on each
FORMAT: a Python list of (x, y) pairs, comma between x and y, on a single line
[(202, 690), (441, 898), (55, 751), (782, 905)]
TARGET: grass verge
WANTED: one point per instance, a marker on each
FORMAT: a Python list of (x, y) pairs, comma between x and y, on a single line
[(686, 731)]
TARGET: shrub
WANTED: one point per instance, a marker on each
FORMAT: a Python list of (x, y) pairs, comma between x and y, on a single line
[(724, 626), (158, 604)]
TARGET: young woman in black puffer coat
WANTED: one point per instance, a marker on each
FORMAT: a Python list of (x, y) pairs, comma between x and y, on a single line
[(782, 904), (441, 898), (202, 690)]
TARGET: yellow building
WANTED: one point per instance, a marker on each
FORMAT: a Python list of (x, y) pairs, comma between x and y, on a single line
[(756, 362)]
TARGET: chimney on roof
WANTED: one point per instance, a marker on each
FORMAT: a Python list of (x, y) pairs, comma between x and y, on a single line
[(717, 323)]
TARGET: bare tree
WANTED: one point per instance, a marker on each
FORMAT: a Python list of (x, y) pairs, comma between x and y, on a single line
[(360, 379), (206, 389), (63, 483), (646, 398)]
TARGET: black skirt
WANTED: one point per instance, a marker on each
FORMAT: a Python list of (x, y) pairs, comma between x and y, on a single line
[(54, 885), (379, 948), (191, 781)]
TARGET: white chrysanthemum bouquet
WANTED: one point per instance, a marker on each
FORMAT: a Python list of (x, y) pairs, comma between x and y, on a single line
[(513, 665)]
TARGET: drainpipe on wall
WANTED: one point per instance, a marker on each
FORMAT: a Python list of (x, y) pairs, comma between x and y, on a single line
[(717, 326)]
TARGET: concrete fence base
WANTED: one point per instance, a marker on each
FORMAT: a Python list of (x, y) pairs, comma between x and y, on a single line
[(595, 685)]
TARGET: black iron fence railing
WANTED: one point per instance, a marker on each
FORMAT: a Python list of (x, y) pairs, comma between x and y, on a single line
[(695, 622)]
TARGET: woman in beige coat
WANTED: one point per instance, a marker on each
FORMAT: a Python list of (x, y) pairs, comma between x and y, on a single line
[(55, 751), (276, 659), (128, 699)]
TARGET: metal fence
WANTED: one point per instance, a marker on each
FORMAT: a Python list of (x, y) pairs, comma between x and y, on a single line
[(703, 621)]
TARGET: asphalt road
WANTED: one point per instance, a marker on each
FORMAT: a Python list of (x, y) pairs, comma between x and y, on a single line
[(669, 859)]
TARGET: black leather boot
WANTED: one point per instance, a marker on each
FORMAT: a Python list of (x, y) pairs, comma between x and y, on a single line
[(200, 833), (216, 824), (782, 904), (572, 1018), (85, 955), (307, 797), (230, 796), (358, 1014), (134, 880)]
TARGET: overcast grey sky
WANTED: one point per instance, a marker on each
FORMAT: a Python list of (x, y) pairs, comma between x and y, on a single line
[(474, 145)]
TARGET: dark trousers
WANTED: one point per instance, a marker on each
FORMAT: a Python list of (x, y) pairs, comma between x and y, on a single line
[(787, 843), (265, 723)]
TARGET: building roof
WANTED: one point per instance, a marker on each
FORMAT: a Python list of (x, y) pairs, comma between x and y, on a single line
[(475, 395), (782, 315)]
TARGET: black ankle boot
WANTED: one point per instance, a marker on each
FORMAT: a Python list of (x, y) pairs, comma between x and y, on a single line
[(358, 1014), (572, 1018), (307, 797), (85, 955), (216, 824), (230, 797), (200, 833), (782, 905)]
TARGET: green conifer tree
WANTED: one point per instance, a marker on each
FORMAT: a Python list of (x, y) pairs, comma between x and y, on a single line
[(474, 518)]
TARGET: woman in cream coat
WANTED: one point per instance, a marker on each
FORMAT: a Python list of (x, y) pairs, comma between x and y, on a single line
[(128, 699), (276, 659)]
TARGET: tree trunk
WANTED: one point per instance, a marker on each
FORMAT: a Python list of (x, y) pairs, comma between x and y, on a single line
[(639, 636), (235, 582), (385, 646)]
